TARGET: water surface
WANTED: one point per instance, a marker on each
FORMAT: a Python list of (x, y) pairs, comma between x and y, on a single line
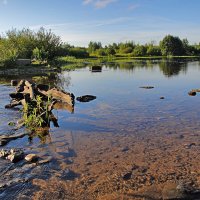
[(124, 118)]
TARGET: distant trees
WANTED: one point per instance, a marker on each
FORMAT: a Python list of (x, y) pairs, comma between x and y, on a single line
[(153, 51), (45, 45), (169, 46), (93, 46), (139, 50)]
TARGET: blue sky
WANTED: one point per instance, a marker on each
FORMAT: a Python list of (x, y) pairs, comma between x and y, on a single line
[(107, 21)]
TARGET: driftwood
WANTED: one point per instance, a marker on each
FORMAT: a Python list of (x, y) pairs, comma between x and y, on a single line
[(4, 139), (27, 90), (13, 103), (59, 95), (29, 95)]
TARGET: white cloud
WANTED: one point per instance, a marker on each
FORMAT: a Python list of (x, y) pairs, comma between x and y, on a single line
[(98, 3), (85, 2), (133, 6), (103, 3), (5, 2)]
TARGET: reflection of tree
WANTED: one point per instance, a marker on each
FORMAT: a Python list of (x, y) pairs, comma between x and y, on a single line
[(133, 64), (172, 67)]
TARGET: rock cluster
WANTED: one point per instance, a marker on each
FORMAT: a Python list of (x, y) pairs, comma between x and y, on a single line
[(14, 155)]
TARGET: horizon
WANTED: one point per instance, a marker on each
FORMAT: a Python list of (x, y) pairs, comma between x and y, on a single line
[(106, 21)]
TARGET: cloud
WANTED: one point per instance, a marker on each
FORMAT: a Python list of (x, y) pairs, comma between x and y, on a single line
[(103, 3), (5, 2), (133, 6), (99, 3), (85, 2)]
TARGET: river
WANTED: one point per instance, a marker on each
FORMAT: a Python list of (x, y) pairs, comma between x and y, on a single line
[(128, 143)]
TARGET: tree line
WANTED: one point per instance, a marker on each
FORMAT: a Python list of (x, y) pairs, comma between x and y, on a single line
[(44, 45)]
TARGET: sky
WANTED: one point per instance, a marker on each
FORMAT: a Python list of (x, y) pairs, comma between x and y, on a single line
[(78, 22)]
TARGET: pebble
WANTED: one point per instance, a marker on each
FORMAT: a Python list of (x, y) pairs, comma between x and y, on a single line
[(124, 149), (31, 158)]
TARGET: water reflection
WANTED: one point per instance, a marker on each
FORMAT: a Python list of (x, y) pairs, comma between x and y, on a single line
[(169, 67), (172, 68)]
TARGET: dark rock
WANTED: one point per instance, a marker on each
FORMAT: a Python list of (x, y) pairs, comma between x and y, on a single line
[(147, 87), (124, 149), (96, 68), (127, 176), (162, 97), (13, 82), (188, 146), (192, 93), (15, 157), (88, 163), (86, 98)]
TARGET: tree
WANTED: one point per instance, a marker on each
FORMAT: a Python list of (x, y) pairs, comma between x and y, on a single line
[(139, 50), (126, 47), (48, 43), (171, 46), (36, 54), (110, 51), (153, 51), (100, 52), (93, 46)]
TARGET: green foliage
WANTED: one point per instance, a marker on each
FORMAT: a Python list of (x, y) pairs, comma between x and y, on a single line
[(139, 50), (8, 53), (100, 52), (171, 46), (153, 51), (26, 44), (36, 54), (126, 47), (93, 46), (78, 52), (35, 113), (111, 51)]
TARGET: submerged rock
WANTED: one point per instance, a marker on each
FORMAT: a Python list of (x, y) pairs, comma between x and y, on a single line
[(86, 98), (147, 87), (192, 93), (127, 176), (31, 158), (14, 155)]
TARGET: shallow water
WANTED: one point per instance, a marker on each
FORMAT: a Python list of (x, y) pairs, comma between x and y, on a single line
[(125, 121)]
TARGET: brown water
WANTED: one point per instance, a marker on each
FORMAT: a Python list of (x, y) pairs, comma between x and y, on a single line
[(126, 144)]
